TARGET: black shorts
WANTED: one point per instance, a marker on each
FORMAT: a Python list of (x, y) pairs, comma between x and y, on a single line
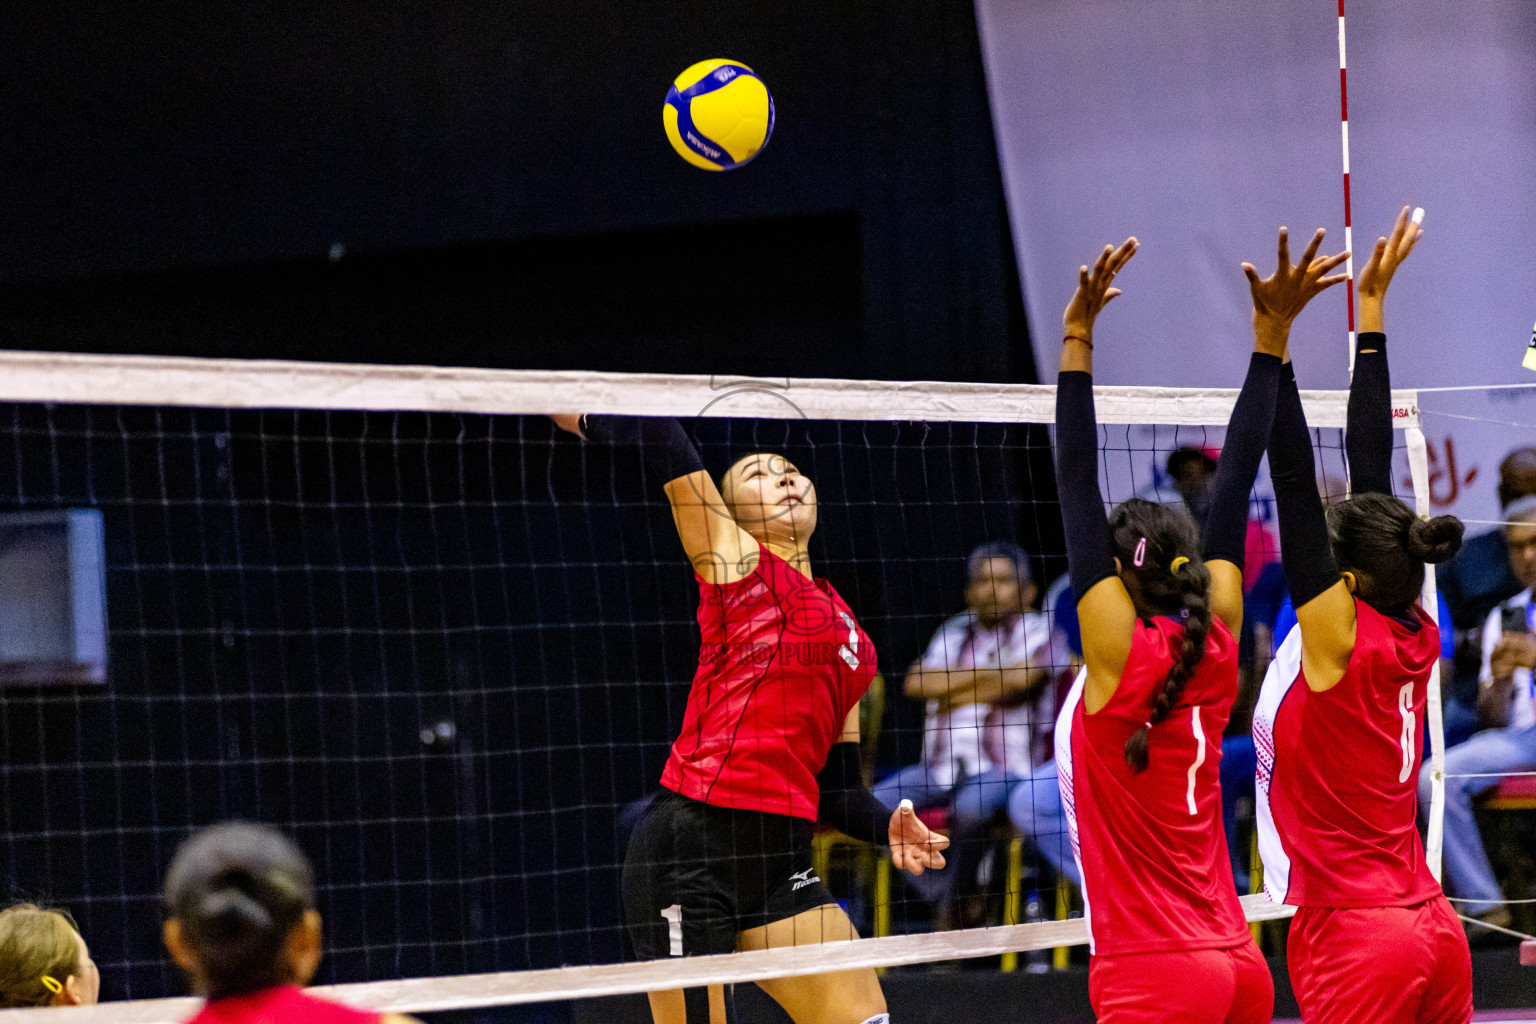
[(696, 875)]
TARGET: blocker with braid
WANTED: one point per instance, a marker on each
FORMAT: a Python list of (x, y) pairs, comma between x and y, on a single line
[(1337, 726), (721, 861), (1138, 741)]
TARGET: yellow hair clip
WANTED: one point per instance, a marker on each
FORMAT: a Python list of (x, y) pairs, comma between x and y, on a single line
[(1181, 560), (52, 985)]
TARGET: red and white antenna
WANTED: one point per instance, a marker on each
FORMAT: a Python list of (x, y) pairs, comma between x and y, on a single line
[(1349, 265)]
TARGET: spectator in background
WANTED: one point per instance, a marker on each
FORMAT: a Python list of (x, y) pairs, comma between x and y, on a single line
[(1509, 707), (43, 960), (1192, 470), (1474, 582), (980, 677)]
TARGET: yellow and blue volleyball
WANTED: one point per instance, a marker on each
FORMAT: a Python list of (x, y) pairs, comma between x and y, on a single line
[(718, 114)]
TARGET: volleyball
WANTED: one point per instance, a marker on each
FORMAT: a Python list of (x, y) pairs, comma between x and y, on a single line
[(718, 114)]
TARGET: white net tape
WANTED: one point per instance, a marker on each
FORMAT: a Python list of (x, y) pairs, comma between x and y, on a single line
[(274, 384), (137, 380), (465, 992)]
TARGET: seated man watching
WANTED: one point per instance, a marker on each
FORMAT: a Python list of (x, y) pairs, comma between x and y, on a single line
[(980, 677), (1473, 583), (1508, 704)]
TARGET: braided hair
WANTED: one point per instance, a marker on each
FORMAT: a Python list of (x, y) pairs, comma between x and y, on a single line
[(1159, 551)]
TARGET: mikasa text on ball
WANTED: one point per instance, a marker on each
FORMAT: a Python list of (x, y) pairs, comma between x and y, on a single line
[(718, 114)]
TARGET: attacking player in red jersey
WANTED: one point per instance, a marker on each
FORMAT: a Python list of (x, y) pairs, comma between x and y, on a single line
[(769, 745), (242, 924), (1337, 724), (1138, 742)]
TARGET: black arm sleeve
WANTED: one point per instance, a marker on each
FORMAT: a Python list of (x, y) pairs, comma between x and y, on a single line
[(1368, 434), (661, 440), (1089, 557), (1226, 527), (1304, 552), (845, 804)]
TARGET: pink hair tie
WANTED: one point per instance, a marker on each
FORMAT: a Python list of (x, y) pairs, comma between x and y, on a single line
[(1141, 553)]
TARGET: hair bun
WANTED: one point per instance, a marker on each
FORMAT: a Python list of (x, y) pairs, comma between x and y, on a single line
[(1434, 540), (226, 913)]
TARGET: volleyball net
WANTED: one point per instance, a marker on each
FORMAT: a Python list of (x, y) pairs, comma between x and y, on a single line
[(398, 614)]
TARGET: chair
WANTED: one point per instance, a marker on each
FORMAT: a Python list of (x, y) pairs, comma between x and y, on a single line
[(1515, 793)]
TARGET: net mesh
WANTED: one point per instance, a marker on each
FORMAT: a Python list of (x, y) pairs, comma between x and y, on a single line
[(448, 652)]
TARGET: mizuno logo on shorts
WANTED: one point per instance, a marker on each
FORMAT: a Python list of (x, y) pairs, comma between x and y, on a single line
[(803, 879)]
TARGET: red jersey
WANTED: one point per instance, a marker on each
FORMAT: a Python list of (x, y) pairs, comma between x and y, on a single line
[(284, 1005), (1150, 845), (1338, 771), (781, 664)]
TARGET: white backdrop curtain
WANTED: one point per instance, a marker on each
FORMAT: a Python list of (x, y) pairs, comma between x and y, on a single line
[(1202, 125)]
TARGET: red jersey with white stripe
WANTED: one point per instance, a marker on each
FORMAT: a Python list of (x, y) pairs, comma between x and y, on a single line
[(1150, 844), (1338, 771), (782, 663), (285, 1005)]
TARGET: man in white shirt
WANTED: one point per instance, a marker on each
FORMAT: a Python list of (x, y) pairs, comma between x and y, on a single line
[(981, 677), (1508, 700)]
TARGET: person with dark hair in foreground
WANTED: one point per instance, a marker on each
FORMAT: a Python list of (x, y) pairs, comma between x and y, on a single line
[(1337, 724), (1138, 741), (241, 922)]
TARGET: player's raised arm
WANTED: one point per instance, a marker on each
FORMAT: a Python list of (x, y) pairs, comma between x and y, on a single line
[(720, 551), (1368, 437), (1225, 536), (1104, 606), (1317, 590)]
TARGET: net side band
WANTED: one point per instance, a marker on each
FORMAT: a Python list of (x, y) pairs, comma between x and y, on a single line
[(277, 384), (462, 992)]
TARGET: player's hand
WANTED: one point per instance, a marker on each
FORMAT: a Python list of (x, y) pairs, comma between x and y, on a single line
[(1279, 298), (915, 847), (1514, 650), (570, 422), (1388, 256), (1094, 291)]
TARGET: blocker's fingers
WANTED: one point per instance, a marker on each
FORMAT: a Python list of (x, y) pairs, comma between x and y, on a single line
[(1326, 263), (1311, 253), (1123, 254), (1398, 227), (1112, 293), (1082, 278), (1284, 251), (1323, 284), (1103, 260), (1410, 239), (938, 841)]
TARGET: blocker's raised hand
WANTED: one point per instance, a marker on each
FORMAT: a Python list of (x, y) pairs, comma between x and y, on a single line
[(1094, 291), (1279, 298), (1388, 256)]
